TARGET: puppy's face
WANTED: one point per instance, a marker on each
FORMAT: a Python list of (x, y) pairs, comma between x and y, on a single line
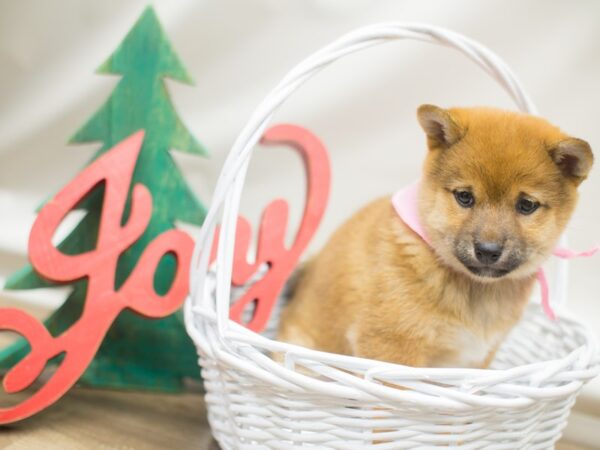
[(498, 189)]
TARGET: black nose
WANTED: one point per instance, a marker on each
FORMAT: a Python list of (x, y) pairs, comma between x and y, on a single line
[(488, 252)]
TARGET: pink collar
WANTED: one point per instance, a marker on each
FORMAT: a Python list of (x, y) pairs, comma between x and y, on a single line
[(405, 204)]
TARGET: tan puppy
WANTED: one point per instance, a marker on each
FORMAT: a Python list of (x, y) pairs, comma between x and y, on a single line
[(497, 190)]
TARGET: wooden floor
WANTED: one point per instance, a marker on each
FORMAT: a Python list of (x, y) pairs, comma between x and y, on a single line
[(101, 419), (97, 419)]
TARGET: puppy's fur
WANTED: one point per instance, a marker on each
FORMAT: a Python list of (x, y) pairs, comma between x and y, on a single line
[(377, 290)]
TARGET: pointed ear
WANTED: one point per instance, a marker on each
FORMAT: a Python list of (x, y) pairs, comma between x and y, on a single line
[(574, 158), (439, 126)]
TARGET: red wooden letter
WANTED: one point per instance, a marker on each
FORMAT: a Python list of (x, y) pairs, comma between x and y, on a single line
[(81, 341)]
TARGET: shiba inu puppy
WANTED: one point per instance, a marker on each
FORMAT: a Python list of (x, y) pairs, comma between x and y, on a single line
[(496, 193)]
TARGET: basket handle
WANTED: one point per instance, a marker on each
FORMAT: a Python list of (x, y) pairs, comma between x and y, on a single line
[(226, 198)]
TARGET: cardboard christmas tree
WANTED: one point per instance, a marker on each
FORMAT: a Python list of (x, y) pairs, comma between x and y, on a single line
[(137, 352)]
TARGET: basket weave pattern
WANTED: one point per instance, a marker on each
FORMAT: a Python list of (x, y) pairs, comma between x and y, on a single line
[(321, 400)]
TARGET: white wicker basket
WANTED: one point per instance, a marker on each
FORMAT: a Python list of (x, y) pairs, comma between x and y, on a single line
[(328, 401)]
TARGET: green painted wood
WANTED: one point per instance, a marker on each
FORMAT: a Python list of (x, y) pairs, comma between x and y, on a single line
[(137, 353)]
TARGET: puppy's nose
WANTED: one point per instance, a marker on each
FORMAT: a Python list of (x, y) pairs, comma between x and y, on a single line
[(488, 252)]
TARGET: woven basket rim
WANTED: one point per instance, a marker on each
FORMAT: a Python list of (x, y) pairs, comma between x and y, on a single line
[(239, 338)]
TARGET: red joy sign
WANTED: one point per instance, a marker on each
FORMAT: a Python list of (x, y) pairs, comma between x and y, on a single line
[(271, 236), (80, 342)]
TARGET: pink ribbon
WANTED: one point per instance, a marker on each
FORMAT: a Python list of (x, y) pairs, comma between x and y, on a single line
[(405, 205)]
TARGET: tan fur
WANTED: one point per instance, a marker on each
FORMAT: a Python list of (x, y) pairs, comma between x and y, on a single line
[(376, 290)]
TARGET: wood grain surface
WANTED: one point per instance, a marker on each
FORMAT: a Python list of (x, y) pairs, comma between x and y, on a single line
[(99, 419)]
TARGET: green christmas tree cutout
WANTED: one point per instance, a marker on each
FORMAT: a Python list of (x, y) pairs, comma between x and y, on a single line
[(137, 352)]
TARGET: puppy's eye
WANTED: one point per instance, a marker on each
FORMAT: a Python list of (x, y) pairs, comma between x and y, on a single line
[(464, 198), (526, 206)]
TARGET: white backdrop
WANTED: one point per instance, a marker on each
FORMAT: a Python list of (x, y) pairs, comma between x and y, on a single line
[(363, 107)]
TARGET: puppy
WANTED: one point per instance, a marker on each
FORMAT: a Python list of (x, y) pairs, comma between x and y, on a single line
[(496, 193)]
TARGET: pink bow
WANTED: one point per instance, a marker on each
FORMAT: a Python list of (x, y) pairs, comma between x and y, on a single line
[(405, 204)]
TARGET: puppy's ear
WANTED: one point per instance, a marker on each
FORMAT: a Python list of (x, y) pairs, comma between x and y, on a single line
[(439, 126), (574, 158)]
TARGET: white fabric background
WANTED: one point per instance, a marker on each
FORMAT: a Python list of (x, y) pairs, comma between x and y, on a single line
[(362, 107)]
